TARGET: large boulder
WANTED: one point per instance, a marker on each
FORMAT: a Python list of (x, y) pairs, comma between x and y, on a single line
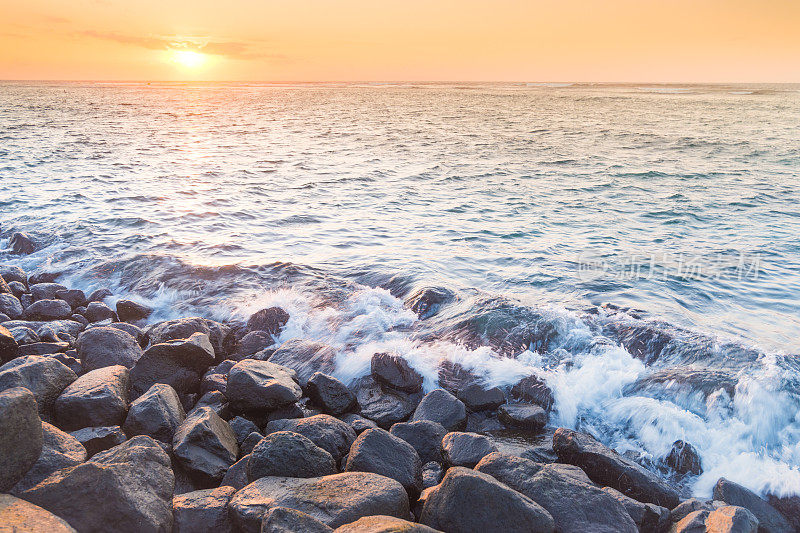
[(19, 516), (156, 413), (383, 405), (261, 386), (769, 519), (305, 358), (183, 328), (384, 524), (98, 311), (45, 377), (20, 435), (395, 372), (10, 306), (202, 510), (205, 445), (466, 449), (606, 467), (477, 398), (9, 349), (270, 320), (289, 454), (47, 310), (522, 416), (534, 390), (125, 489), (97, 398), (46, 291), (179, 363), (236, 476), (442, 407), (106, 346), (380, 452), (424, 435), (575, 503), (11, 273), (330, 394), (731, 519), (334, 500), (285, 520), (130, 311), (327, 432), (74, 297), (59, 450), (467, 501)]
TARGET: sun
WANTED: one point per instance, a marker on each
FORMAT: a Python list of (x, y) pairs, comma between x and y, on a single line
[(188, 58)]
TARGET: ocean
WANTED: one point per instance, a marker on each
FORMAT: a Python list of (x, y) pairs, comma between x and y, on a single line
[(634, 244)]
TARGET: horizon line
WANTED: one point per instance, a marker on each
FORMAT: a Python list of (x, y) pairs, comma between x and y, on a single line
[(619, 82)]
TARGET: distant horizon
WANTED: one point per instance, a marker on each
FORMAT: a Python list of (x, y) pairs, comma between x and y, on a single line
[(398, 81)]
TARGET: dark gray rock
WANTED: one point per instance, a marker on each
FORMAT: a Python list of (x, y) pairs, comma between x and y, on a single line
[(442, 407), (684, 459), (125, 489), (250, 442), (330, 394), (395, 372), (106, 346), (236, 476), (195, 352), (204, 444), (216, 379), (9, 349), (184, 328), (646, 516), (11, 273), (45, 377), (99, 295), (261, 386), (731, 519), (606, 467), (42, 277), (270, 320), (467, 501), (97, 398), (134, 331), (99, 439), (327, 432), (383, 405), (20, 435), (130, 311), (98, 311), (426, 301), (358, 422), (432, 473), (252, 343), (289, 454), (17, 288), (466, 449), (156, 413), (305, 358), (334, 500), (10, 306), (533, 389), (17, 515), (203, 510), (522, 416), (285, 520), (43, 348), (483, 422), (59, 450), (683, 509), (476, 398), (574, 502), (380, 452), (22, 243), (769, 519), (242, 427), (788, 506), (23, 335), (74, 297), (47, 310), (384, 524), (424, 436), (45, 291), (217, 402)]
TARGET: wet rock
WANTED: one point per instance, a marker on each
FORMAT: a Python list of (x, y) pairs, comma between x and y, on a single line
[(45, 291), (242, 427), (535, 390), (606, 467), (646, 516), (99, 295), (305, 358), (99, 439), (694, 522), (178, 363), (16, 288), (98, 311), (285, 520), (380, 452), (105, 346), (10, 306), (252, 343), (442, 407), (383, 405), (769, 519), (432, 473), (11, 273), (133, 481), (20, 435), (205, 445), (731, 519), (684, 459), (427, 301), (9, 349), (384, 524), (330, 394), (270, 320), (202, 510), (476, 398), (184, 328), (157, 413), (334, 500), (74, 297), (44, 348), (327, 432), (261, 386), (468, 501), (236, 476), (22, 243), (59, 450), (788, 506), (4, 318), (289, 454), (45, 377), (483, 422), (358, 422), (19, 516), (130, 311), (395, 372), (47, 310), (424, 436), (522, 416), (97, 398), (466, 449)]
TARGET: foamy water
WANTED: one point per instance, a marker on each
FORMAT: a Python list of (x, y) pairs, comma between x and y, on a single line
[(531, 204)]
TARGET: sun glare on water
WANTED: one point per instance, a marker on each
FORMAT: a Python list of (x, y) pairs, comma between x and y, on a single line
[(188, 58)]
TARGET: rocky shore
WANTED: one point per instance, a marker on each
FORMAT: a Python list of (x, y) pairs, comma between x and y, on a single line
[(109, 422)]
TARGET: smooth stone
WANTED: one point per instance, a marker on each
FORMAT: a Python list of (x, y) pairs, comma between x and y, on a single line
[(17, 288), (442, 407), (22, 243), (59, 450), (11, 306), (99, 439), (358, 422), (45, 291), (769, 518), (252, 343), (533, 389), (21, 435), (202, 510), (74, 297), (98, 311), (204, 444), (195, 352), (380, 452), (9, 347), (43, 348), (289, 454), (476, 398), (270, 320), (99, 295), (646, 516), (327, 432), (97, 398), (45, 377), (156, 413), (384, 524), (383, 405), (522, 416), (285, 520), (330, 394), (11, 273), (19, 516), (261, 386), (47, 310), (130, 311), (134, 331), (395, 372), (305, 358), (466, 449), (106, 346), (183, 328), (424, 435)]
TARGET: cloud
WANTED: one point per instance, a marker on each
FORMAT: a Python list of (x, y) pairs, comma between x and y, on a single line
[(231, 49)]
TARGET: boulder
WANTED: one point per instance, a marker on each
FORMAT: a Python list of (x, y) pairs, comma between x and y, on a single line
[(59, 450), (261, 386), (9, 349), (45, 377), (156, 413), (184, 328), (47, 310), (19, 516), (358, 422), (10, 306), (383, 405), (426, 301), (22, 243), (236, 476), (106, 346), (424, 435), (98, 311), (395, 372), (99, 439), (134, 331), (195, 352), (270, 320), (23, 335), (468, 501), (202, 510), (334, 500), (44, 348), (694, 522), (327, 432), (769, 519), (20, 435), (330, 394), (384, 524), (205, 445), (46, 291), (74, 297), (99, 295), (285, 520), (289, 454), (250, 442), (252, 343), (646, 516), (380, 452), (731, 519), (476, 398), (16, 288), (97, 398), (533, 389), (125, 489), (608, 468), (789, 507), (522, 416), (130, 311), (466, 449), (442, 407), (684, 459), (305, 358), (574, 502), (11, 273), (242, 427)]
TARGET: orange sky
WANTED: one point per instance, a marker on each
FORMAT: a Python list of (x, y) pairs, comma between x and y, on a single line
[(318, 40)]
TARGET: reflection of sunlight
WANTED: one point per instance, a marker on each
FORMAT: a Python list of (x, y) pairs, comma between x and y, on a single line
[(188, 58)]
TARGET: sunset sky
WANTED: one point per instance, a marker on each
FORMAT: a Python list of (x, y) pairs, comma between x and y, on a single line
[(466, 40)]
